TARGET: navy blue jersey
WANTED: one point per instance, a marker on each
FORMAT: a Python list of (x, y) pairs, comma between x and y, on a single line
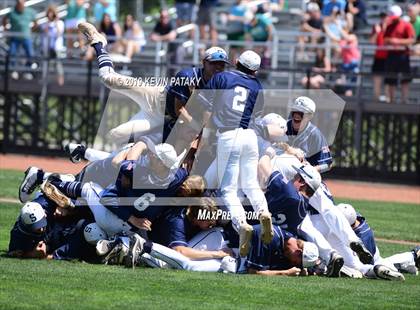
[(235, 98), (115, 197), (77, 247), (173, 229), (182, 91), (23, 239), (312, 142), (268, 256), (287, 206), (365, 233)]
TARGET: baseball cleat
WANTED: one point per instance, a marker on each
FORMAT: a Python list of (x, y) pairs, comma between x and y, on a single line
[(55, 195), (334, 265), (135, 251), (245, 236), (30, 182), (91, 34), (364, 255), (347, 272), (104, 246), (229, 264), (416, 252), (76, 151), (404, 268), (267, 232), (383, 272)]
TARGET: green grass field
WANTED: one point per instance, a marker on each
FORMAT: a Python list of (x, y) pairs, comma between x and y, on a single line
[(29, 284)]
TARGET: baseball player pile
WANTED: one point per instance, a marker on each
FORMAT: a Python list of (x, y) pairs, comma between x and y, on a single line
[(185, 175)]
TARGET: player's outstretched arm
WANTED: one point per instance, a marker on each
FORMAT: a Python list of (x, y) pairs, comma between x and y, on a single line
[(292, 272), (264, 170), (197, 254)]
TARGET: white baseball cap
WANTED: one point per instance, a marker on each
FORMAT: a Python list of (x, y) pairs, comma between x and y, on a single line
[(166, 153), (310, 175), (395, 11), (304, 104), (274, 119), (312, 7), (33, 215), (310, 254), (93, 233), (348, 211), (216, 53), (250, 60)]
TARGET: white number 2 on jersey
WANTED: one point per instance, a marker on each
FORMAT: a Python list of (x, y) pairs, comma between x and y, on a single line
[(144, 201), (241, 94)]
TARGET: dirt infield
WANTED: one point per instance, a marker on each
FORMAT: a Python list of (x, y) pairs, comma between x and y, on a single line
[(342, 189)]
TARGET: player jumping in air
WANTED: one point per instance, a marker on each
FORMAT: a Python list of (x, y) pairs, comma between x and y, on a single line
[(233, 99)]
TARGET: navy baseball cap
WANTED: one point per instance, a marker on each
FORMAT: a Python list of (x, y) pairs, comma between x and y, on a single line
[(216, 53)]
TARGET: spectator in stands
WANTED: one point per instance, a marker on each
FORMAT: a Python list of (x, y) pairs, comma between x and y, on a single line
[(20, 19), (329, 6), (378, 67), (400, 34), (236, 26), (133, 38), (321, 66), (164, 29), (356, 14), (206, 17), (260, 29), (350, 55), (53, 40), (185, 12), (102, 7), (413, 13), (312, 23), (76, 13), (111, 30), (334, 25)]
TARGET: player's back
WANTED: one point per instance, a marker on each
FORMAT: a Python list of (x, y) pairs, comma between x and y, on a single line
[(236, 99), (267, 256), (287, 206)]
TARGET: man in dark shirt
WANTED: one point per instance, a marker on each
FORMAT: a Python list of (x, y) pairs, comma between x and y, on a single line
[(164, 28)]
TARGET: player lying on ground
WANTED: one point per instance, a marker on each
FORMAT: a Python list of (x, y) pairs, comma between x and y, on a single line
[(321, 210), (407, 262)]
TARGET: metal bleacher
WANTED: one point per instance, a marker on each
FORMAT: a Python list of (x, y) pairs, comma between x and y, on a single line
[(285, 70)]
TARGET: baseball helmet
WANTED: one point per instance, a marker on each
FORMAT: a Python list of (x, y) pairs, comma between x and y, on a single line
[(250, 60), (216, 53), (304, 104), (274, 119), (348, 211), (33, 215), (93, 233), (310, 175)]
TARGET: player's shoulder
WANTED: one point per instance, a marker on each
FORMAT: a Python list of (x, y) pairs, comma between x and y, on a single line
[(189, 72)]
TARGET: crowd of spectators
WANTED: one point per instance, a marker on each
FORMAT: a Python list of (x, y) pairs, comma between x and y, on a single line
[(329, 30)]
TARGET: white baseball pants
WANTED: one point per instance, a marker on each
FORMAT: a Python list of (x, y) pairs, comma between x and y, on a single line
[(151, 100), (237, 164), (211, 240)]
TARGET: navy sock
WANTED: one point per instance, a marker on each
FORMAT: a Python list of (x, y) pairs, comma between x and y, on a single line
[(147, 247), (103, 58), (70, 189)]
